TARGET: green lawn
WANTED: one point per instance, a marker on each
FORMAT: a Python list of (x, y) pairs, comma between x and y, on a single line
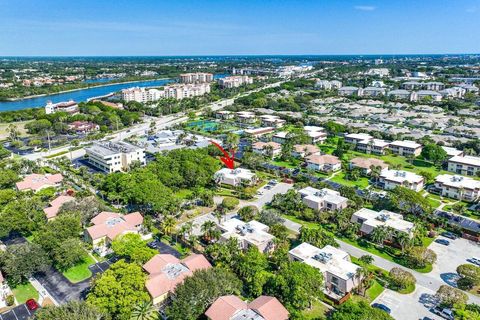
[(316, 312), (286, 164), (79, 272), (23, 292), (374, 291), (362, 182)]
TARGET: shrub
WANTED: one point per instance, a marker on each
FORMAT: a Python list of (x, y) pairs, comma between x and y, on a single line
[(230, 203), (401, 278), (10, 300)]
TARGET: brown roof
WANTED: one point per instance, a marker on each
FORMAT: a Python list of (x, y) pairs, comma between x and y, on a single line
[(52, 210), (226, 307), (310, 148), (366, 163), (112, 224), (262, 145), (166, 271), (323, 159), (36, 181)]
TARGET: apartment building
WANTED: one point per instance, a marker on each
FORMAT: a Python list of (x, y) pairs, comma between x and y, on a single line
[(65, 106), (234, 81), (405, 148), (246, 117), (235, 177), (233, 308), (110, 156), (373, 92), (315, 134), (435, 86), (452, 152), (390, 179), (196, 77), (324, 199), (305, 150), (370, 219), (142, 95), (365, 164), (400, 94), (107, 226), (181, 91), (258, 132), (355, 138), (269, 149), (424, 94), (349, 91), (373, 146), (280, 137), (457, 187), (166, 271), (248, 234), (466, 165), (224, 115), (325, 163), (328, 85), (339, 273), (412, 85), (272, 121)]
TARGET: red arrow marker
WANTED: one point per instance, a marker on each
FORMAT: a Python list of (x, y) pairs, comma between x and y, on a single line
[(227, 159)]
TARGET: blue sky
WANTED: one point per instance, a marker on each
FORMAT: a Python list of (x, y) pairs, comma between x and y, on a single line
[(214, 27)]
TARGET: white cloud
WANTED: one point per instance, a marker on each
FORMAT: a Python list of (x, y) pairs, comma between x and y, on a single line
[(365, 8)]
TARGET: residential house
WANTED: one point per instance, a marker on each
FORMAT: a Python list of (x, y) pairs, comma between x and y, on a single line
[(365, 164), (106, 226), (324, 199), (165, 272), (316, 134), (406, 148), (248, 234), (269, 149), (390, 179), (280, 137), (36, 182), (457, 187), (233, 308), (325, 163), (305, 150), (370, 219), (466, 165), (235, 177), (54, 206), (339, 273)]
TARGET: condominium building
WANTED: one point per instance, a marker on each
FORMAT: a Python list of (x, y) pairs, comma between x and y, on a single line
[(224, 115), (373, 92), (181, 91), (270, 149), (234, 81), (280, 137), (375, 146), (324, 199), (109, 156), (349, 91), (328, 85), (235, 177), (370, 219), (142, 94), (434, 95), (258, 132), (365, 164), (196, 77), (315, 134), (339, 273), (246, 117), (325, 163), (233, 308), (390, 179), (457, 187), (452, 152), (305, 150), (405, 148), (272, 121), (466, 165), (68, 106), (401, 94), (248, 234), (355, 138)]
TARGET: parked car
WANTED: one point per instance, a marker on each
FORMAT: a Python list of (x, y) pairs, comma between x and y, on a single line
[(268, 187), (449, 235), (382, 307), (32, 304), (443, 312), (474, 261), (153, 245), (443, 241)]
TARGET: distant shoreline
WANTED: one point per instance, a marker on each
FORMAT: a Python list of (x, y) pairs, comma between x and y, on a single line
[(78, 89)]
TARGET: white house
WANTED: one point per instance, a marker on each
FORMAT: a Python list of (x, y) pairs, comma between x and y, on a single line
[(271, 148), (370, 219), (405, 148), (466, 165), (323, 163), (390, 179), (339, 273), (458, 187), (248, 234), (324, 199), (305, 150), (235, 177)]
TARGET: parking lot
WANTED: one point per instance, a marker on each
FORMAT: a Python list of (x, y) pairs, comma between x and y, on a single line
[(20, 312)]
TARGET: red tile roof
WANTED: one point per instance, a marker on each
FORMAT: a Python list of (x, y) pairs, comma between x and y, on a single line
[(36, 181), (224, 308), (269, 308), (112, 224), (51, 212)]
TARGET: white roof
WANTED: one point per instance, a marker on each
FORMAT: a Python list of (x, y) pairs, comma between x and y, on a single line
[(238, 172), (400, 176), (376, 142), (406, 144), (384, 218), (468, 160), (253, 232), (451, 152), (428, 93), (313, 129), (327, 259), (456, 181), (359, 136), (325, 194), (281, 134)]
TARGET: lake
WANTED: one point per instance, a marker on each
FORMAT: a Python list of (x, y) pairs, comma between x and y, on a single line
[(81, 94)]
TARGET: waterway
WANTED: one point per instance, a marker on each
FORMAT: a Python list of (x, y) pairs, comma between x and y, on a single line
[(81, 94)]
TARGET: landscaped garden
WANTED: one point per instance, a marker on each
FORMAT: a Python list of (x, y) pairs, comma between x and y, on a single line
[(80, 271)]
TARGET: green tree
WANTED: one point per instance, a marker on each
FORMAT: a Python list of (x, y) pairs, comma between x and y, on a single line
[(360, 310), (72, 310), (434, 153), (145, 311), (469, 276), (132, 247), (419, 256), (248, 213), (401, 279), (251, 267), (23, 215), (450, 296), (69, 253), (119, 289), (198, 292)]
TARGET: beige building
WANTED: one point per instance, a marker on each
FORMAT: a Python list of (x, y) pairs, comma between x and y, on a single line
[(466, 165), (324, 199), (325, 163), (365, 164), (233, 308), (234, 81), (271, 149), (370, 219), (305, 150), (196, 77), (110, 156), (405, 148)]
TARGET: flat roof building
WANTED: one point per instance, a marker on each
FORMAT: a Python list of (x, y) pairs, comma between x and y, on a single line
[(248, 234), (370, 219), (110, 156), (324, 199), (235, 177), (390, 179)]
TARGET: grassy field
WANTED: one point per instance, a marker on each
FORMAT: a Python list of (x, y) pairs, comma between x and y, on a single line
[(362, 182), (80, 272), (374, 291), (23, 292), (20, 127), (317, 311)]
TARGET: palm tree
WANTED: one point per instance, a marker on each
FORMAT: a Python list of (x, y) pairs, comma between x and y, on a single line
[(186, 229), (232, 141), (144, 311), (207, 229), (375, 172), (403, 240), (12, 131), (167, 225), (379, 235), (268, 149)]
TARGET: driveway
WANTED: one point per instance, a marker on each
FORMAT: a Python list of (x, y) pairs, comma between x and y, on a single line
[(63, 290), (20, 312), (411, 306)]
